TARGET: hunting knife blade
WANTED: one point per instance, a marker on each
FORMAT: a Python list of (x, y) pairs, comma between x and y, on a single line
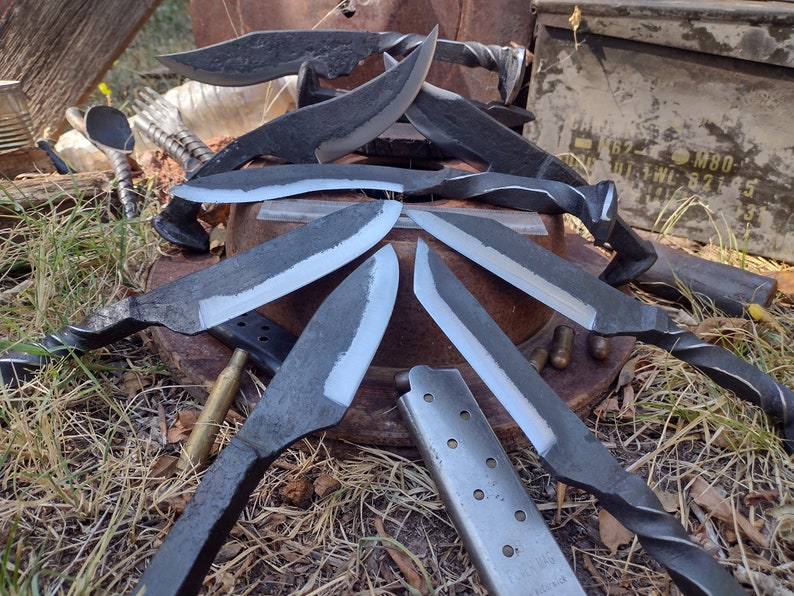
[(564, 444), (599, 307), (222, 291), (317, 133), (311, 391)]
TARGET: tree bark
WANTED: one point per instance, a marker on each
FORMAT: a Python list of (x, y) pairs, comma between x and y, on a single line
[(60, 50)]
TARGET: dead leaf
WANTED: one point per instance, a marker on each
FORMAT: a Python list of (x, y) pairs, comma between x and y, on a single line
[(403, 561), (757, 497), (785, 281), (575, 20), (713, 501), (608, 406), (722, 330), (627, 409), (626, 375), (164, 466), (669, 501), (613, 533), (185, 421)]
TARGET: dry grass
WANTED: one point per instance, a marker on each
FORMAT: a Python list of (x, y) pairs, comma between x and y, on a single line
[(82, 506)]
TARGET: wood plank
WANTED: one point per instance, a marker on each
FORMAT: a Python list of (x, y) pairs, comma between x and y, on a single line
[(61, 49)]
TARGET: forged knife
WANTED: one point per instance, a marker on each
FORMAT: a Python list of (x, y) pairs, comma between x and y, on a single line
[(222, 291), (595, 206), (564, 444), (460, 129), (322, 132), (311, 391), (603, 309), (266, 55)]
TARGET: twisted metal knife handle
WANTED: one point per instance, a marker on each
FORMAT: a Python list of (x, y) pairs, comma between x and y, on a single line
[(730, 371), (509, 62), (195, 146), (168, 143), (127, 194), (629, 499)]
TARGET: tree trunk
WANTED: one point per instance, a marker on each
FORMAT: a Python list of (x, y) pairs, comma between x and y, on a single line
[(60, 49)]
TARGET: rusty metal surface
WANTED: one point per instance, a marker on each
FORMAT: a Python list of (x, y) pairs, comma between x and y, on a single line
[(630, 112), (497, 22), (373, 418), (746, 30)]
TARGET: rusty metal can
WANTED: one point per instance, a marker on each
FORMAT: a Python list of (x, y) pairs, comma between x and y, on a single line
[(16, 125)]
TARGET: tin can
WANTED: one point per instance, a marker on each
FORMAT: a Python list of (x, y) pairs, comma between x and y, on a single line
[(16, 125)]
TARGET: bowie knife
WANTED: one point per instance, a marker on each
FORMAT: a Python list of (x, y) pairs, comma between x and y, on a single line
[(266, 55), (564, 444), (222, 291), (601, 308), (321, 132), (311, 391), (595, 206)]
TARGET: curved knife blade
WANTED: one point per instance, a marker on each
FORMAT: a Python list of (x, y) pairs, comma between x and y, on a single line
[(311, 391), (595, 206), (229, 288), (462, 130), (266, 55), (564, 444), (321, 132), (601, 308)]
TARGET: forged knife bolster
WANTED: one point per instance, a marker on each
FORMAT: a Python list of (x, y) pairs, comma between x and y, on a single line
[(182, 561), (503, 531), (728, 370)]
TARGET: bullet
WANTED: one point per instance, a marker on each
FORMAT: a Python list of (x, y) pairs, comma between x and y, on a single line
[(561, 347), (198, 445), (538, 358), (600, 346)]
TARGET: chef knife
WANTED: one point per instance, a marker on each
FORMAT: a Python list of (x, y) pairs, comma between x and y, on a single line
[(266, 55), (601, 308), (564, 444), (216, 294), (311, 391)]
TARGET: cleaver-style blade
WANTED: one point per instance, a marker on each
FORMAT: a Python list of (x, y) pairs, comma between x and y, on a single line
[(595, 205), (266, 55), (222, 291), (564, 444), (603, 309), (311, 391), (317, 133)]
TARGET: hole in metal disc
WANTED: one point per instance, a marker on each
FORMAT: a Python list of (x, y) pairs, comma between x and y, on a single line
[(465, 415), (263, 338), (479, 495), (452, 443), (508, 551), (265, 327), (428, 397), (241, 323), (490, 462), (521, 515)]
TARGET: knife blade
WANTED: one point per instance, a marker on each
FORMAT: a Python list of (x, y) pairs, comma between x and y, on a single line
[(311, 391), (564, 444), (603, 309), (595, 205), (321, 132), (216, 294), (463, 131), (262, 56)]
